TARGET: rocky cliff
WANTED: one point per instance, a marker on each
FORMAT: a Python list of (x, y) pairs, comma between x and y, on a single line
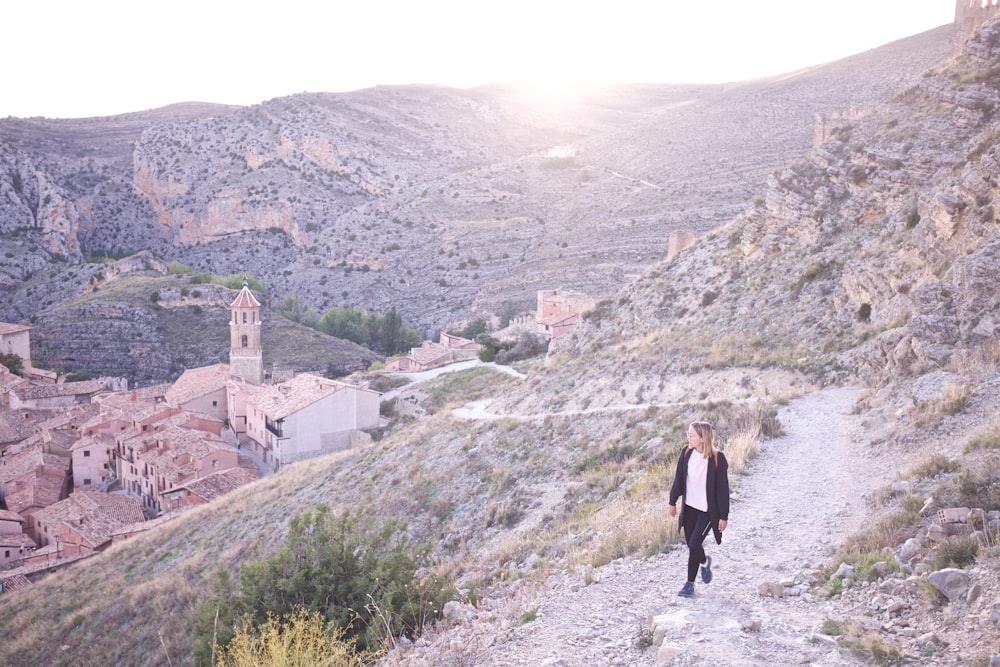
[(444, 203)]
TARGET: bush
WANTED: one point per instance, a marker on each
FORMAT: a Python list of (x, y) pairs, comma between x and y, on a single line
[(178, 269), (956, 552), (528, 345), (339, 566), (13, 362), (299, 639)]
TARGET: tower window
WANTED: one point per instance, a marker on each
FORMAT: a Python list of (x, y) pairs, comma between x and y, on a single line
[(244, 318), (245, 342)]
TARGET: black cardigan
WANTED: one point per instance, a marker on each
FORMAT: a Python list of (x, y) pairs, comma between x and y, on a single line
[(717, 490)]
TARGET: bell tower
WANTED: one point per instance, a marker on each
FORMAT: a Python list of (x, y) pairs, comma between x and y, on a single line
[(245, 356)]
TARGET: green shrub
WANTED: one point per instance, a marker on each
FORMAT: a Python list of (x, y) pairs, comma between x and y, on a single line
[(361, 575), (178, 269)]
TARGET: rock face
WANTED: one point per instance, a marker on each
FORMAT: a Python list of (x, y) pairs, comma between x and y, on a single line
[(444, 203)]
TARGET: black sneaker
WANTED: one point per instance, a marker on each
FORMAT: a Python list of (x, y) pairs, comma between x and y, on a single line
[(706, 570), (687, 591)]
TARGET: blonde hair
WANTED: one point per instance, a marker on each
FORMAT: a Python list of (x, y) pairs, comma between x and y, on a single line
[(707, 434)]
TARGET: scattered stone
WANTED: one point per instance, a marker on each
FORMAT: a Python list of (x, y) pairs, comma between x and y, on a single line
[(771, 589), (668, 652), (910, 549), (952, 582)]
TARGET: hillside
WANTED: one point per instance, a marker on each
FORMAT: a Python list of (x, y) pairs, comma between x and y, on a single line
[(134, 319), (443, 203), (869, 261)]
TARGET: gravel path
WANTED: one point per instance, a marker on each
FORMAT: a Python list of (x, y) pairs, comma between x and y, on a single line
[(803, 494)]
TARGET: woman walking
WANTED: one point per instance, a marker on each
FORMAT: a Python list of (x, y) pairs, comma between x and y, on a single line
[(702, 477)]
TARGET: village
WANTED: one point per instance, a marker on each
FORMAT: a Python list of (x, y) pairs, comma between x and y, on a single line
[(87, 464)]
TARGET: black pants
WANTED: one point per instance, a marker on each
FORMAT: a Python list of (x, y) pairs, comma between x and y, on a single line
[(696, 528)]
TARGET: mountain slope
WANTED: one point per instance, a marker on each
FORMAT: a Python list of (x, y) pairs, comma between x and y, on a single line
[(442, 202)]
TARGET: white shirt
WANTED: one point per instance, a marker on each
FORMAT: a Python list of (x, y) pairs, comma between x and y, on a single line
[(696, 486)]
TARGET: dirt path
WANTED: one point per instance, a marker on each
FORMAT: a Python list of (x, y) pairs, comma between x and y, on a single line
[(802, 495)]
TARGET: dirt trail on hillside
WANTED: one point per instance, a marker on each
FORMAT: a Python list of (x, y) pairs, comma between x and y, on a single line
[(802, 495)]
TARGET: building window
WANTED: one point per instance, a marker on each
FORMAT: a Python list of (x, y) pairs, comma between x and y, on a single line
[(86, 452), (244, 318), (215, 404), (86, 482), (246, 342)]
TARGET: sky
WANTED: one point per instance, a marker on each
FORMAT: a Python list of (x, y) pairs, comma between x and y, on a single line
[(76, 58)]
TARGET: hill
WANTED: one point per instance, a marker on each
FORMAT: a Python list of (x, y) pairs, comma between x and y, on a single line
[(444, 203)]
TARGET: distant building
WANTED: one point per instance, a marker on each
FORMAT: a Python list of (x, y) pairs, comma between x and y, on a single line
[(449, 350), (206, 489), (304, 417), (168, 454), (16, 339), (559, 310), (201, 390), (83, 523), (14, 543)]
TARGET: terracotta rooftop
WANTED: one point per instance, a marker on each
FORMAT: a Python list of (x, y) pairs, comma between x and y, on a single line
[(93, 514), (31, 390), (279, 401), (14, 427), (16, 540), (245, 299), (121, 399), (219, 483), (197, 382), (74, 416), (14, 582), (17, 464), (430, 354), (8, 328), (7, 515)]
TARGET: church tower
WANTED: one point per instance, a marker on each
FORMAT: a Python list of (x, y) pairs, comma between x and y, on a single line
[(245, 357)]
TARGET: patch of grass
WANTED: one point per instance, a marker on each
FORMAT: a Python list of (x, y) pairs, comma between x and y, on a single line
[(980, 488), (528, 616), (956, 552), (831, 628), (988, 439), (932, 467), (956, 396), (453, 389)]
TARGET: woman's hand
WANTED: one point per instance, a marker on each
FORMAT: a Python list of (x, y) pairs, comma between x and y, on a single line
[(673, 510), (722, 524)]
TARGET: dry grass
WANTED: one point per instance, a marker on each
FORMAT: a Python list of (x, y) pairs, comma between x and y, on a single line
[(743, 445), (988, 438)]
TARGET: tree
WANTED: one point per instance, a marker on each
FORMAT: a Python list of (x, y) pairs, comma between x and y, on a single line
[(13, 362), (392, 331)]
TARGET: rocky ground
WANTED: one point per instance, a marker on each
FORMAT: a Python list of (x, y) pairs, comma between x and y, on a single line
[(806, 492)]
